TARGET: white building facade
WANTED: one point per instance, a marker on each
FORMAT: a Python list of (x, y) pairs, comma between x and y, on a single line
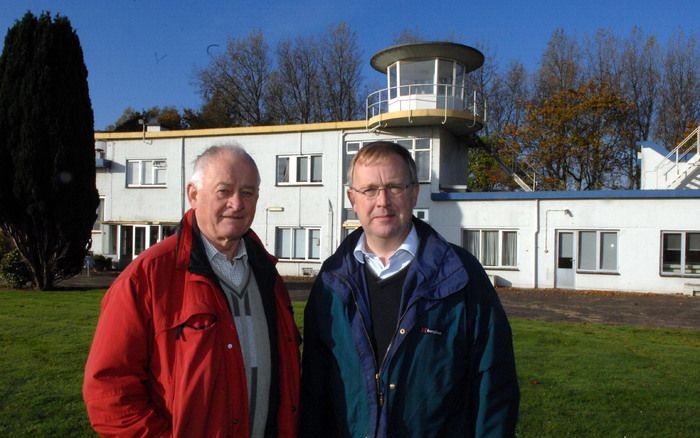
[(641, 241)]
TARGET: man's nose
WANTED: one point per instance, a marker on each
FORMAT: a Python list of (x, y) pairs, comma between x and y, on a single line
[(383, 196), (235, 201)]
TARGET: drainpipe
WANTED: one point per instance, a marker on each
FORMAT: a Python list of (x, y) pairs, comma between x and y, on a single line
[(183, 184), (537, 246)]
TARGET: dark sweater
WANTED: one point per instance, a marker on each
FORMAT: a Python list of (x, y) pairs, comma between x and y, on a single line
[(385, 301)]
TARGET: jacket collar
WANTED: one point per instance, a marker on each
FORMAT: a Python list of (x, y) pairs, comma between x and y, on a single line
[(192, 256), (436, 272)]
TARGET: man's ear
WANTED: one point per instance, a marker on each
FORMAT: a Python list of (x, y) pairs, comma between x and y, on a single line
[(351, 197), (192, 194)]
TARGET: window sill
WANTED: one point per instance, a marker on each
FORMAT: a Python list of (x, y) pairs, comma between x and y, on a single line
[(280, 260), (578, 271), (297, 184)]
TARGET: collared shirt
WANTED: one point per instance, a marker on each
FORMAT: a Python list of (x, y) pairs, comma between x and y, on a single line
[(403, 255), (221, 265), (244, 300)]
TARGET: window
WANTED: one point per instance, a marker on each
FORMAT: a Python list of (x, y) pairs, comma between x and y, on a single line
[(146, 173), (298, 243), (493, 248), (597, 251), (416, 77), (392, 81), (422, 214), (680, 253), (418, 147), (97, 226), (445, 78), (299, 169)]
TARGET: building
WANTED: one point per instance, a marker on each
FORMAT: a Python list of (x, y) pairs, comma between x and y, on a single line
[(643, 240)]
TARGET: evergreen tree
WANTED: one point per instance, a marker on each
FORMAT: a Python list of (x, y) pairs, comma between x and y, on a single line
[(48, 199)]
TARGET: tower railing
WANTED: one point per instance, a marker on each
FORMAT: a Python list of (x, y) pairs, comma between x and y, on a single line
[(443, 97)]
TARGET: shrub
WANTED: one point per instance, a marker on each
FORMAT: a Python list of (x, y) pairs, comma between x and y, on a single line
[(13, 270), (102, 263)]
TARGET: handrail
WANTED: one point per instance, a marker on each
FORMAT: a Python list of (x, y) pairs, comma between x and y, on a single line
[(680, 155), (445, 96)]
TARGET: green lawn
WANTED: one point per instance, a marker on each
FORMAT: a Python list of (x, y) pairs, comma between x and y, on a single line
[(576, 379)]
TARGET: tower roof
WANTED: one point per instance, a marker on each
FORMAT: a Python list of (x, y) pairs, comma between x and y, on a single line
[(470, 57)]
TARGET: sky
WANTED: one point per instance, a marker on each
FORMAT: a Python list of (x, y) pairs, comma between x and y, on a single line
[(142, 53)]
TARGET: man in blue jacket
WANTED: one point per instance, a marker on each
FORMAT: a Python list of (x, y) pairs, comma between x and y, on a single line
[(403, 334)]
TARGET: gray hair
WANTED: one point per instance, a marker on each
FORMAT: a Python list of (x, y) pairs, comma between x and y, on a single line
[(212, 152)]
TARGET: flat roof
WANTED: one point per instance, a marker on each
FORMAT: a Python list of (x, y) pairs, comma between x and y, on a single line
[(241, 130), (470, 57), (584, 194)]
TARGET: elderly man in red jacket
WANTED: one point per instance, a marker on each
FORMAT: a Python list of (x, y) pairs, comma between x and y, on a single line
[(196, 337)]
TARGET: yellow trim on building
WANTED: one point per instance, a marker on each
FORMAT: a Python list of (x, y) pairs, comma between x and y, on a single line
[(246, 130)]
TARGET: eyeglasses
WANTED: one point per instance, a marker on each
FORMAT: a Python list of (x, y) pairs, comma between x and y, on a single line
[(372, 192)]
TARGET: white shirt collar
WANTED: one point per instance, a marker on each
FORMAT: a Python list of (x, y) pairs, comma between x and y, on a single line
[(241, 253), (403, 255)]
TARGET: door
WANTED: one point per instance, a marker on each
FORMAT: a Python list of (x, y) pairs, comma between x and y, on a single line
[(565, 273)]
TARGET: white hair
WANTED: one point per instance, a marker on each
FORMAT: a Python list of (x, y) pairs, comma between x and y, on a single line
[(203, 160)]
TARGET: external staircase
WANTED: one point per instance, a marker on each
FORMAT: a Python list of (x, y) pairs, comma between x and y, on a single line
[(681, 167), (517, 169)]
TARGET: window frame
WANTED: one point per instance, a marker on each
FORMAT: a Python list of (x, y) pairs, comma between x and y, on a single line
[(422, 214), (598, 252), (292, 244), (99, 220), (500, 246), (683, 263), (415, 148), (163, 165), (293, 165)]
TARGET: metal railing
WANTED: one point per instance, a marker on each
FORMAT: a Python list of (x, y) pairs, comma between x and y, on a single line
[(422, 96), (676, 165)]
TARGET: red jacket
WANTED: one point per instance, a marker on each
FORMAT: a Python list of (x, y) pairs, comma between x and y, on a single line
[(166, 360)]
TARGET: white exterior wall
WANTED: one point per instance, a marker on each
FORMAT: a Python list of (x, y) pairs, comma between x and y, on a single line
[(536, 218), (638, 223)]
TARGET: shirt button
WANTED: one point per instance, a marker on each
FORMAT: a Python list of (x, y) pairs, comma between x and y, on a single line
[(229, 346), (402, 331)]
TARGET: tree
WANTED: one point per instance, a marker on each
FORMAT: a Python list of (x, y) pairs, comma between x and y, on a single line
[(294, 93), (47, 184), (560, 67), (236, 81), (640, 78), (341, 74), (679, 108), (577, 138), (408, 35), (131, 120)]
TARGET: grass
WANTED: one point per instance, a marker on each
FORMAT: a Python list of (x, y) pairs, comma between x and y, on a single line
[(575, 379)]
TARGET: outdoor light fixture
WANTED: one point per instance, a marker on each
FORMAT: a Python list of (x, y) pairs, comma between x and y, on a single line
[(566, 211)]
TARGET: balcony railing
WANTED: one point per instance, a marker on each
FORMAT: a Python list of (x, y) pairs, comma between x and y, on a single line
[(443, 97)]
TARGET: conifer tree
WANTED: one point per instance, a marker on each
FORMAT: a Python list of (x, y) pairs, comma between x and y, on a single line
[(48, 198)]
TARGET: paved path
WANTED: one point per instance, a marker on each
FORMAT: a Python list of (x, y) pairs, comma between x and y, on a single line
[(649, 310)]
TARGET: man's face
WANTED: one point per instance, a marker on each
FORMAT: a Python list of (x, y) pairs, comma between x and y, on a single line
[(386, 219), (225, 204)]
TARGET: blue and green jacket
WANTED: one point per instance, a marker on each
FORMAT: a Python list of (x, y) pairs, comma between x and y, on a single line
[(449, 370)]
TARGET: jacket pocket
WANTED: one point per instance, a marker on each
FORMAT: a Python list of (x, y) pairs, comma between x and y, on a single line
[(196, 324)]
